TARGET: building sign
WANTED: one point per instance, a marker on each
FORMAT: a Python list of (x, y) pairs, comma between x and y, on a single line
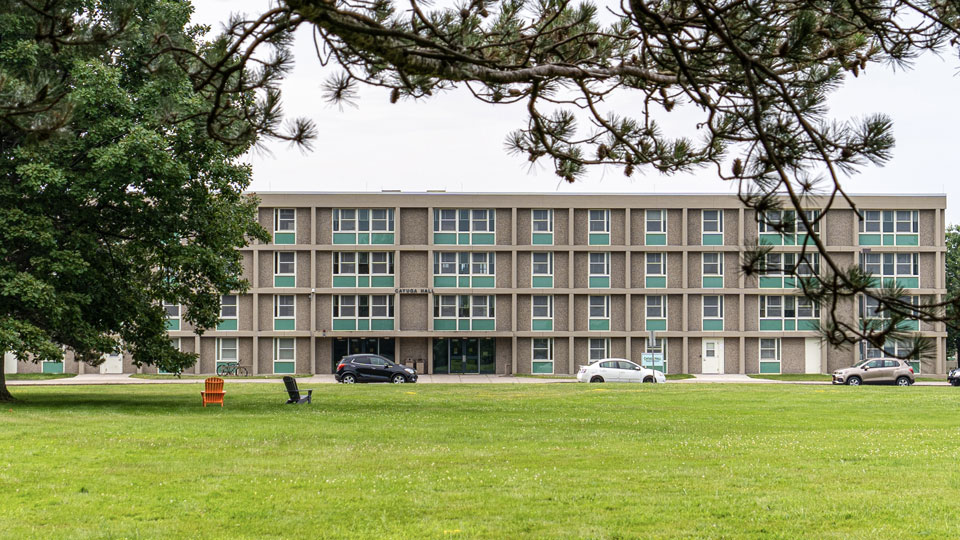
[(413, 291), (653, 361)]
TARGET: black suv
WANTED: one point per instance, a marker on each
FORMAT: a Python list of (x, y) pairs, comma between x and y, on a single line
[(372, 368)]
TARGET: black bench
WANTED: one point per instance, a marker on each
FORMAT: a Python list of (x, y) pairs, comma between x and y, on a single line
[(294, 392)]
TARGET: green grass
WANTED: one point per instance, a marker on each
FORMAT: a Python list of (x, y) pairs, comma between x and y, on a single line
[(679, 376), (481, 461), (931, 379), (37, 376), (537, 376), (793, 377), (227, 377)]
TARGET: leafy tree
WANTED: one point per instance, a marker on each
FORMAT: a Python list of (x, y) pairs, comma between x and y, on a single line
[(758, 74), (114, 196), (953, 287)]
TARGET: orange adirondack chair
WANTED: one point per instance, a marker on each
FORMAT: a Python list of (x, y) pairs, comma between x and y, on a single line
[(213, 392)]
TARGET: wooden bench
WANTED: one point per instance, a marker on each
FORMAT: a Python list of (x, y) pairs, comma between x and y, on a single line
[(213, 391), (294, 392)]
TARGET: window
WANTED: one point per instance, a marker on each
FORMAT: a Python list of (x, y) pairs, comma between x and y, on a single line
[(481, 221), (344, 306), (808, 264), (542, 220), (284, 306), (542, 355), (542, 263), (786, 221), (769, 350), (771, 307), (285, 220), (381, 306), (362, 306), (464, 220), (599, 348), (228, 306), (482, 263), (712, 307), (445, 220), (226, 349), (788, 307), (285, 263), (449, 306), (348, 220), (172, 310), (713, 264), (600, 264), (890, 221), (891, 264), (445, 263), (464, 263), (344, 220), (779, 264), (656, 221), (599, 307), (713, 221), (445, 306), (479, 306), (344, 263), (656, 307), (656, 264), (542, 306), (381, 220), (284, 350), (381, 262), (870, 307), (599, 221), (813, 216)]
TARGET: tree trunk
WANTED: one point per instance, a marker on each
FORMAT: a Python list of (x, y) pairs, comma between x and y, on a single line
[(5, 395)]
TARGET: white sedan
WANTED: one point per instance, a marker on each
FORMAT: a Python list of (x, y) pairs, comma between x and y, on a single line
[(618, 370)]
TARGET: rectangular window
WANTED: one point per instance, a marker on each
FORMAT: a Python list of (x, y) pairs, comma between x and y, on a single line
[(542, 355), (890, 221), (787, 222), (771, 307), (226, 349), (542, 220), (445, 263), (542, 306), (228, 306), (482, 263), (713, 221), (481, 221), (599, 307), (344, 220), (656, 221), (656, 307), (350, 220), (656, 264), (713, 307), (599, 348), (285, 220), (381, 306), (445, 306), (891, 265), (599, 221), (464, 220), (284, 306), (769, 355), (345, 263), (284, 355), (445, 220), (464, 264), (542, 263), (813, 216), (449, 306), (381, 263), (172, 310), (285, 263), (713, 264), (600, 264), (808, 264)]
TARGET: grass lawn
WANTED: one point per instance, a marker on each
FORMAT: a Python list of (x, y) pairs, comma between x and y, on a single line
[(678, 376), (481, 461), (793, 377), (226, 377), (37, 376)]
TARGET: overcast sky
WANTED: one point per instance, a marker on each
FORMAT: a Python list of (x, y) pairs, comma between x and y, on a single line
[(455, 142)]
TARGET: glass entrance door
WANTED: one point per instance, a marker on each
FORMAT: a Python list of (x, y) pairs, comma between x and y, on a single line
[(464, 355), (347, 346)]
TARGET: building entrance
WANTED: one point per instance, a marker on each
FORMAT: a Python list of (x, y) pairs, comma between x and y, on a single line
[(464, 355), (347, 346)]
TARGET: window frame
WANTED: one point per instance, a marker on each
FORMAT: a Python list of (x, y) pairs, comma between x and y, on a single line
[(718, 221), (235, 306), (463, 220), (363, 220), (549, 307), (605, 262), (605, 306), (704, 263), (220, 348), (662, 220), (605, 349), (277, 348), (534, 263), (718, 306), (894, 263), (278, 220), (647, 306), (777, 348), (602, 219), (277, 263), (546, 346), (277, 306), (534, 220), (662, 263)]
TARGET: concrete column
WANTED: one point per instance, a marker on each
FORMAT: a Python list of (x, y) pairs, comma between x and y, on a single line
[(743, 356), (196, 349), (255, 289), (570, 359)]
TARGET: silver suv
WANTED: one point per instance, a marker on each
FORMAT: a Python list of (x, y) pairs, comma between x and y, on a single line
[(876, 370)]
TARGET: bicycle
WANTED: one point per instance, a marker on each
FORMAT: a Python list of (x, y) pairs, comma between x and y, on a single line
[(232, 368)]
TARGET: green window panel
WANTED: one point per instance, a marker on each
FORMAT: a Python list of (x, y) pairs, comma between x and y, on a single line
[(807, 325), (870, 239), (344, 281), (599, 239), (228, 324), (463, 324), (363, 238), (909, 282), (483, 324), (363, 324), (445, 238), (599, 282), (542, 325), (284, 368), (790, 240), (542, 282), (909, 325), (656, 324), (771, 324), (542, 239), (484, 281), (284, 238), (344, 324), (463, 281), (769, 367), (656, 239), (770, 239), (771, 282), (381, 324), (381, 281), (656, 282), (444, 324), (543, 367), (712, 325), (173, 324), (444, 281), (599, 324), (789, 324), (51, 367), (712, 239), (363, 281), (712, 282), (463, 239), (889, 240), (789, 282), (908, 240), (381, 238), (483, 239), (344, 238), (284, 281), (284, 324)]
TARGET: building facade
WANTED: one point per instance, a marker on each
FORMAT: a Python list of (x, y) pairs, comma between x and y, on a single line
[(542, 283)]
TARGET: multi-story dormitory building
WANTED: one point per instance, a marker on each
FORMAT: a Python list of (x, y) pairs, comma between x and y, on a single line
[(542, 283)]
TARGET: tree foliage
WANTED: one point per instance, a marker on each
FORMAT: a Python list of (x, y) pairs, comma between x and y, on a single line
[(953, 287), (114, 197)]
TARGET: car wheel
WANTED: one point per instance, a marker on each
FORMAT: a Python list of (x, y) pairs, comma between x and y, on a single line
[(398, 379), (903, 381), (348, 379), (854, 381), (955, 383), (649, 379), (597, 378)]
